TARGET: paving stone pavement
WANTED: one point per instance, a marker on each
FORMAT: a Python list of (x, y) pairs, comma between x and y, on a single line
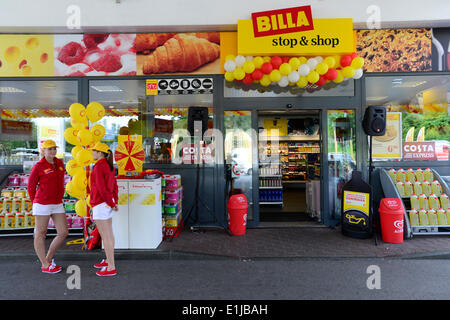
[(261, 243)]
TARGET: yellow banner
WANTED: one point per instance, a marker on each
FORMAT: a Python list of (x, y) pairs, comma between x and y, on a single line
[(151, 87), (330, 36), (356, 200)]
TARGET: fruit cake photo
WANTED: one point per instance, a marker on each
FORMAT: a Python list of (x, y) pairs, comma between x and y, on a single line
[(395, 50)]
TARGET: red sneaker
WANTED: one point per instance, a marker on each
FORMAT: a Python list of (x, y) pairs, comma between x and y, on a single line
[(100, 265), (105, 273), (52, 268)]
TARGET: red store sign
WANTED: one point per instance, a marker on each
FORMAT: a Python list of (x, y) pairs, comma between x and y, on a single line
[(419, 151)]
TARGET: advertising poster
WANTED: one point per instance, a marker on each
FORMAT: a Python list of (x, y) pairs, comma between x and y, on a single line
[(95, 55), (389, 146), (395, 50), (181, 53), (26, 55)]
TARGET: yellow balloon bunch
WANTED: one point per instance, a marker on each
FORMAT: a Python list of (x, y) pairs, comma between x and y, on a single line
[(82, 137), (300, 71)]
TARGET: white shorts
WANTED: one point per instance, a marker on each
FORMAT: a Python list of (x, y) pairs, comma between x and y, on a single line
[(102, 212), (47, 209)]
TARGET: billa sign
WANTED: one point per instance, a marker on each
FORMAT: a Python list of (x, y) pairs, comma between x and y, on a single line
[(419, 150), (292, 32)]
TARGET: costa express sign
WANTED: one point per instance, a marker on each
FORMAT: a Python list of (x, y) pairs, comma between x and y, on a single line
[(294, 32)]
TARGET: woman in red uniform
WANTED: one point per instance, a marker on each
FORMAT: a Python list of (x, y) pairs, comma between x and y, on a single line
[(103, 200), (46, 190)]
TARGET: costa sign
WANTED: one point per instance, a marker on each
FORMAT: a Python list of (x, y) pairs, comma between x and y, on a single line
[(419, 150)]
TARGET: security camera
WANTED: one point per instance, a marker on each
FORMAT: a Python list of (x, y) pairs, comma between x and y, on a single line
[(289, 106)]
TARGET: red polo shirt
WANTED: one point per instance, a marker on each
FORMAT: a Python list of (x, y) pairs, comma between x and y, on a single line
[(103, 185), (46, 183)]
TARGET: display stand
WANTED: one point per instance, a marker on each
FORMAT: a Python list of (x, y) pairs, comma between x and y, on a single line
[(390, 191)]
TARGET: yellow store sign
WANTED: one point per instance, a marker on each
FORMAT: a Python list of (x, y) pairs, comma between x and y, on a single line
[(329, 37)]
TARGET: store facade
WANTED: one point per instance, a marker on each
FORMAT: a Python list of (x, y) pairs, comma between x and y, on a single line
[(236, 118)]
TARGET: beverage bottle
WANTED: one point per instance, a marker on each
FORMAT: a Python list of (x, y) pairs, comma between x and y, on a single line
[(423, 218), (433, 202), (2, 220), (20, 222), (447, 213), (415, 202), (401, 188), (410, 176), (408, 188), (428, 174), (393, 174), (418, 187), (436, 188), (442, 217), (432, 217), (423, 201), (401, 175), (426, 188), (414, 217), (10, 220), (444, 201), (419, 175), (17, 204)]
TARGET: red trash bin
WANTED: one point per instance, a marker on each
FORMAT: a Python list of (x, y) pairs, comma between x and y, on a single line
[(237, 214), (391, 218)]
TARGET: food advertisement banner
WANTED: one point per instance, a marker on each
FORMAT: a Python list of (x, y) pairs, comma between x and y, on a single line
[(389, 146)]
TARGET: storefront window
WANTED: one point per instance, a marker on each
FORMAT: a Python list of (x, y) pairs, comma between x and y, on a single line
[(341, 155), (32, 111), (161, 119), (418, 126)]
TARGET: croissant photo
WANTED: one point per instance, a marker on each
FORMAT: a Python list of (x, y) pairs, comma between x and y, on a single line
[(177, 52)]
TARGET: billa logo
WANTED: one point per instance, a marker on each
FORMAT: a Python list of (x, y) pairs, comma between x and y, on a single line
[(268, 23)]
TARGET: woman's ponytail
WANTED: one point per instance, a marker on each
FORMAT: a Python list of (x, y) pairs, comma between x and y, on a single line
[(109, 157)]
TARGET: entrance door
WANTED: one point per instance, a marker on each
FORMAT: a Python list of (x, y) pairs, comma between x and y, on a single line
[(240, 158), (289, 173)]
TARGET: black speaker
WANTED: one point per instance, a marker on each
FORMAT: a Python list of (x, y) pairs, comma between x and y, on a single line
[(199, 116), (374, 122)]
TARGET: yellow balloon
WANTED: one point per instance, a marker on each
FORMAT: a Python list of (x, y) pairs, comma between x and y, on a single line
[(80, 207), (98, 132), (357, 63), (348, 72), (302, 60), (70, 134), (294, 63), (79, 125), (95, 111), (79, 180), (72, 167), (85, 137), (322, 68), (313, 76), (285, 69), (84, 157), (249, 66), (330, 61), (339, 77), (238, 73), (77, 112), (265, 80), (230, 57), (275, 75), (229, 76), (258, 62), (74, 192), (302, 82), (75, 150)]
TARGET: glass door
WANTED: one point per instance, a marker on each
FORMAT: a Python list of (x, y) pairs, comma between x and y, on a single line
[(341, 156), (239, 157)]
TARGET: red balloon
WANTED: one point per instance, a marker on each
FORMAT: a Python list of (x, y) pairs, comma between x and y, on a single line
[(346, 60), (353, 55), (248, 79), (331, 74), (276, 62), (266, 67), (257, 74), (285, 59), (322, 81)]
